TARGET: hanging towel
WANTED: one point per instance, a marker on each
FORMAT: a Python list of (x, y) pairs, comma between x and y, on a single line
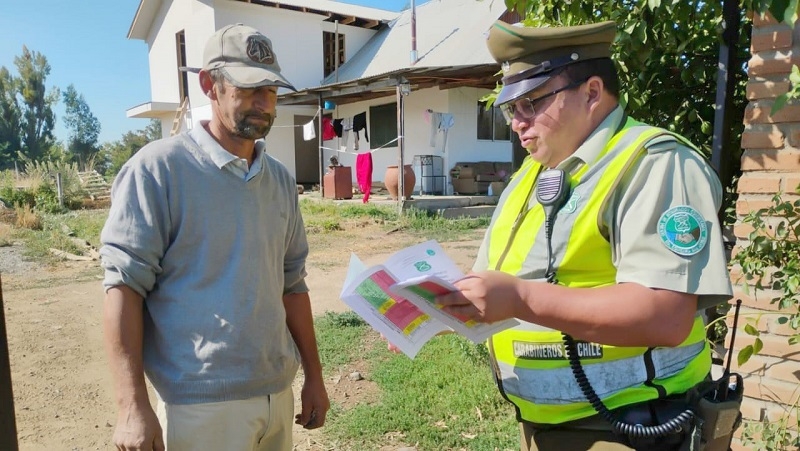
[(364, 174), (447, 122), (440, 122), (308, 131)]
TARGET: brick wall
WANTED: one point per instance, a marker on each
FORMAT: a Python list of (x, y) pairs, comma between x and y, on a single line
[(770, 164)]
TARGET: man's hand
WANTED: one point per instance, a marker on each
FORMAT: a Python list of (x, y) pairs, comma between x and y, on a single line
[(487, 296), (138, 430), (315, 405)]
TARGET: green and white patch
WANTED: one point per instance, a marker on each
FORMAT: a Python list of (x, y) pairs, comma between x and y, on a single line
[(683, 230)]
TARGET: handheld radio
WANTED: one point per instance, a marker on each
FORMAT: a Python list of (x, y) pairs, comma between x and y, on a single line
[(552, 191)]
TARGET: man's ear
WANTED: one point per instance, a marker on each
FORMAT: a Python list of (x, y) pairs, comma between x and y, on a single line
[(595, 88), (207, 85), (594, 91)]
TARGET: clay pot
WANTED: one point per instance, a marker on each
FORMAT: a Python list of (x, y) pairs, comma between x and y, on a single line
[(392, 181)]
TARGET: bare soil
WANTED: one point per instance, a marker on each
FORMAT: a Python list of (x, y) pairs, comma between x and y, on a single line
[(63, 394)]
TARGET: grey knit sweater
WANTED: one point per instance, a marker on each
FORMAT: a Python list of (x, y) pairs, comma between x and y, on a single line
[(212, 255)]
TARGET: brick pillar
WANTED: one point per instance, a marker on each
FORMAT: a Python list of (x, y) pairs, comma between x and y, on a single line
[(770, 164)]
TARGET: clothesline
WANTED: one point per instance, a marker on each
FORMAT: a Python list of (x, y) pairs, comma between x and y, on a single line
[(303, 125), (356, 153)]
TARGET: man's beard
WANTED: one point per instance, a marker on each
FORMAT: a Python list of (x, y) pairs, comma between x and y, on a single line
[(248, 130)]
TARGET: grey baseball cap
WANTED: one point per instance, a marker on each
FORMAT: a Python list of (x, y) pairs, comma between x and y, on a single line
[(245, 57)]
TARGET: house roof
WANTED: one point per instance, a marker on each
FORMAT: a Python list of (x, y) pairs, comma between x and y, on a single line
[(346, 14), (451, 51)]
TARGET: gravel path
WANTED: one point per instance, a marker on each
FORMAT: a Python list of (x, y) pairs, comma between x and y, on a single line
[(13, 261)]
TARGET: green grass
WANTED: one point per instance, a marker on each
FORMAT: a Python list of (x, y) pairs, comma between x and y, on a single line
[(83, 224), (444, 399), (326, 216)]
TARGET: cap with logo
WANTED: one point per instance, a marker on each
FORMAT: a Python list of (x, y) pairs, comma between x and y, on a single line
[(245, 57), (530, 56)]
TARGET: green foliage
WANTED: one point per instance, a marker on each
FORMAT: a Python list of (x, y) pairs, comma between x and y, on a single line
[(58, 231), (84, 128), (442, 400), (773, 435), (785, 11), (115, 154), (33, 105), (326, 216), (793, 93), (771, 261), (340, 338)]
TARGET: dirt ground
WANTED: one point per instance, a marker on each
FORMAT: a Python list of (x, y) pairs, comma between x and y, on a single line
[(62, 387)]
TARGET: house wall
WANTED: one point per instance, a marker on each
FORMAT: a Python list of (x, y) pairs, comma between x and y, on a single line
[(462, 144), (770, 164), (196, 19)]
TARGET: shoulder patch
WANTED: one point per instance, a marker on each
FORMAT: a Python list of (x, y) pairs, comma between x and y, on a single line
[(683, 230)]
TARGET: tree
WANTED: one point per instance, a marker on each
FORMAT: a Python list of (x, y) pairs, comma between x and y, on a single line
[(9, 120), (118, 152), (26, 109), (84, 128), (36, 108)]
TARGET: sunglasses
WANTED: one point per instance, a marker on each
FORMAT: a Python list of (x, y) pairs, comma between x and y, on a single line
[(525, 106)]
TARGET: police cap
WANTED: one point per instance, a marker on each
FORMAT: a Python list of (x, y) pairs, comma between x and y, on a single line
[(530, 56)]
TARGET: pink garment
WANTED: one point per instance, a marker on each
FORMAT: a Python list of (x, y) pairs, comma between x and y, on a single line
[(364, 174)]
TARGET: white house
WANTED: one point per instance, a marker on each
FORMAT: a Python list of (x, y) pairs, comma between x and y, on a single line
[(377, 72)]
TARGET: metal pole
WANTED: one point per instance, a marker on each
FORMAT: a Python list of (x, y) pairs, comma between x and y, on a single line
[(320, 105), (8, 425), (401, 189), (720, 153)]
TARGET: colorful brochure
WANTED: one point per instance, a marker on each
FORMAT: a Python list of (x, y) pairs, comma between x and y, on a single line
[(397, 298)]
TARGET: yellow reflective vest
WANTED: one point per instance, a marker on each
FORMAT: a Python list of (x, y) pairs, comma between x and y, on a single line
[(529, 361)]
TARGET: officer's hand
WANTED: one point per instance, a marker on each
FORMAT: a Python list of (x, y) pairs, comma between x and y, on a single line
[(390, 346), (486, 296)]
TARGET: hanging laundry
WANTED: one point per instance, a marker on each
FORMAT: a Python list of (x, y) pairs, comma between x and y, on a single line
[(308, 131), (364, 174), (347, 126), (360, 123), (327, 129), (440, 122), (337, 127)]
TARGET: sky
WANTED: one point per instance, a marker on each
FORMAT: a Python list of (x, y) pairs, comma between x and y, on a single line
[(85, 43)]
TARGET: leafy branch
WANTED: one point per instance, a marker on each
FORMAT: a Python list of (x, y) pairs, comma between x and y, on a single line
[(771, 261)]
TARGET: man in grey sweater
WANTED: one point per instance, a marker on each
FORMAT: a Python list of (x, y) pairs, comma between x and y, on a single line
[(204, 253)]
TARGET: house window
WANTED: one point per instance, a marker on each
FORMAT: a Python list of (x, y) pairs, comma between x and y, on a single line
[(332, 51), (492, 125), (382, 125)]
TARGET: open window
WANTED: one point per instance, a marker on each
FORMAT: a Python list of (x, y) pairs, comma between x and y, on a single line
[(332, 51)]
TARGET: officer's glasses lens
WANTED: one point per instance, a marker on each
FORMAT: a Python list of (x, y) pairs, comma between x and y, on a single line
[(523, 106)]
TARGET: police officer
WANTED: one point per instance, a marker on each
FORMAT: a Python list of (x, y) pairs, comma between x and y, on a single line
[(633, 249)]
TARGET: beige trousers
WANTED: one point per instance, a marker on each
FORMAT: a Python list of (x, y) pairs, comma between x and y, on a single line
[(255, 424)]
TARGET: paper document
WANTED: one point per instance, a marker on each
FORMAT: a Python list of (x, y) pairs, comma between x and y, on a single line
[(397, 297)]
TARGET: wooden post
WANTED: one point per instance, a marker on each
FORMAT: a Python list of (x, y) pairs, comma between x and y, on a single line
[(59, 190), (8, 424)]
